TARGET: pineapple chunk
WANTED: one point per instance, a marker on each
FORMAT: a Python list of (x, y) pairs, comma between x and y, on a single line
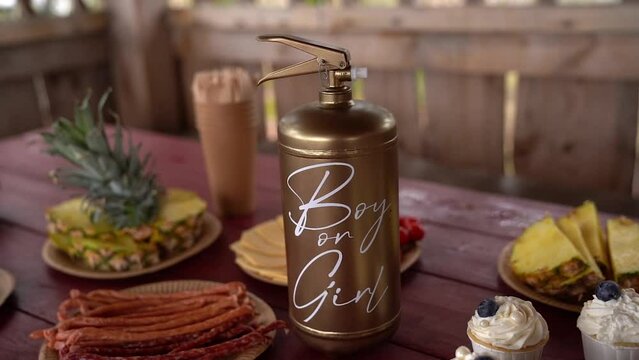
[(103, 247), (570, 227), (545, 259), (588, 220), (623, 240)]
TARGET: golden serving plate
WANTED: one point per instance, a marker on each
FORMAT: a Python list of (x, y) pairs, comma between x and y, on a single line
[(260, 253), (57, 259), (265, 314), (507, 275)]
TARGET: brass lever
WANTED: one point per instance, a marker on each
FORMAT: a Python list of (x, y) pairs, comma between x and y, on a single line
[(326, 57)]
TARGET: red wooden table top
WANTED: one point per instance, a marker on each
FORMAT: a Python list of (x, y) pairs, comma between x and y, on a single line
[(465, 232)]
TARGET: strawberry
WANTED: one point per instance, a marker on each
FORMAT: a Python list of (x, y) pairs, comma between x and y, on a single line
[(416, 233), (404, 235)]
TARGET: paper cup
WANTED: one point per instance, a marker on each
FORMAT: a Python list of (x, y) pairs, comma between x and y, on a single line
[(597, 350), (228, 135), (529, 353)]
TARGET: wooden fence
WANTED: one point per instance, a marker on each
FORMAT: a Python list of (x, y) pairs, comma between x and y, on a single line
[(547, 92), (46, 63)]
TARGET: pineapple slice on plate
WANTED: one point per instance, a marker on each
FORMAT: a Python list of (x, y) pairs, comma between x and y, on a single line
[(125, 220), (569, 225), (588, 220), (101, 246), (545, 259), (623, 240)]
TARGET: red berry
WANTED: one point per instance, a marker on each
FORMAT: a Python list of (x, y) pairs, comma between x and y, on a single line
[(404, 235), (416, 233), (408, 221)]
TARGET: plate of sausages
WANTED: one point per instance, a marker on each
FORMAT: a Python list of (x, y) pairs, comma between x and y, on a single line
[(188, 319)]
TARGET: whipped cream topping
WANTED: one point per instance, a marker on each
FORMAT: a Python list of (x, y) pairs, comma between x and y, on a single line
[(463, 353), (612, 321), (515, 326)]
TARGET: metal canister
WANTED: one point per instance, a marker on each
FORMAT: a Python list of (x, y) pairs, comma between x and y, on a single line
[(338, 160)]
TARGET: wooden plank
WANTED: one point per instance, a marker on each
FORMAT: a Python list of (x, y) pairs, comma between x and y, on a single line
[(465, 121), (580, 55), (480, 19), (395, 91), (43, 28), (577, 133), (290, 346), (51, 56), (15, 328), (19, 107), (145, 74), (295, 91), (66, 89)]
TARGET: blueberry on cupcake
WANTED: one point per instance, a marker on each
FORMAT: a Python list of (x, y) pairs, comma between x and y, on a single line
[(506, 327), (609, 323)]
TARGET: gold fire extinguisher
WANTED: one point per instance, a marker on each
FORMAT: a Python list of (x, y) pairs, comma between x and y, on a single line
[(338, 163)]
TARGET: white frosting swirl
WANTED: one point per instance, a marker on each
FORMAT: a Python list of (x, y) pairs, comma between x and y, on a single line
[(612, 321), (463, 353), (515, 326)]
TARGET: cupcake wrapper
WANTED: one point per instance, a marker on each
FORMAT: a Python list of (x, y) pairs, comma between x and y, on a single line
[(533, 354), (597, 350)]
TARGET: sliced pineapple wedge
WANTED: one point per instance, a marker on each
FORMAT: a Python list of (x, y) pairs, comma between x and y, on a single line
[(569, 225), (545, 259), (103, 247), (588, 220), (623, 241)]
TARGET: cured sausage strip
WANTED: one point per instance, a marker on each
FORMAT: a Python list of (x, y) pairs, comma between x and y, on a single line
[(100, 335)]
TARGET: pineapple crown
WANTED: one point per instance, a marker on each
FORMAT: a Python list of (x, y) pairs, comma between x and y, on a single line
[(119, 188)]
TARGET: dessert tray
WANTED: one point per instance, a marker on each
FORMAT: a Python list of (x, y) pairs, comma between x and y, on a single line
[(57, 259)]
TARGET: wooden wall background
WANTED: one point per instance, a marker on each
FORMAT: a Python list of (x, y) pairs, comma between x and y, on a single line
[(547, 92)]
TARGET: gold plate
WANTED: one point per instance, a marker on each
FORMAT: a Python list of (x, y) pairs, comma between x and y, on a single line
[(408, 260), (265, 314), (57, 259), (7, 284), (507, 275), (410, 257)]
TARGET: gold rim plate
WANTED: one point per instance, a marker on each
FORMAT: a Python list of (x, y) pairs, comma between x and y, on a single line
[(7, 284), (57, 259), (265, 314), (408, 259), (507, 275)]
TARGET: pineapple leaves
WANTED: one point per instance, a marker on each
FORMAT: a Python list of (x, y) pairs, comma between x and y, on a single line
[(119, 188)]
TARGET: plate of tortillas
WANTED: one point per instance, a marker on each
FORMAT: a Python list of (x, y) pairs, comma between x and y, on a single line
[(261, 252)]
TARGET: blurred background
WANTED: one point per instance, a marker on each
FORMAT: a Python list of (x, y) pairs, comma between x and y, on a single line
[(538, 89)]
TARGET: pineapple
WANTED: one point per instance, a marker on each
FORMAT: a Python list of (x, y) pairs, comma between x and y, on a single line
[(570, 227), (125, 220), (102, 246), (623, 240), (588, 220), (545, 259)]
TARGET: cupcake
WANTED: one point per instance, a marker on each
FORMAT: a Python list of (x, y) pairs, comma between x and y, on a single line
[(508, 328), (609, 323), (463, 353)]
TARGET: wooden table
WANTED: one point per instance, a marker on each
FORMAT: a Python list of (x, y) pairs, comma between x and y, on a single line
[(465, 232)]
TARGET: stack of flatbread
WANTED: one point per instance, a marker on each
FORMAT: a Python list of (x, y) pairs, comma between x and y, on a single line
[(261, 252)]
